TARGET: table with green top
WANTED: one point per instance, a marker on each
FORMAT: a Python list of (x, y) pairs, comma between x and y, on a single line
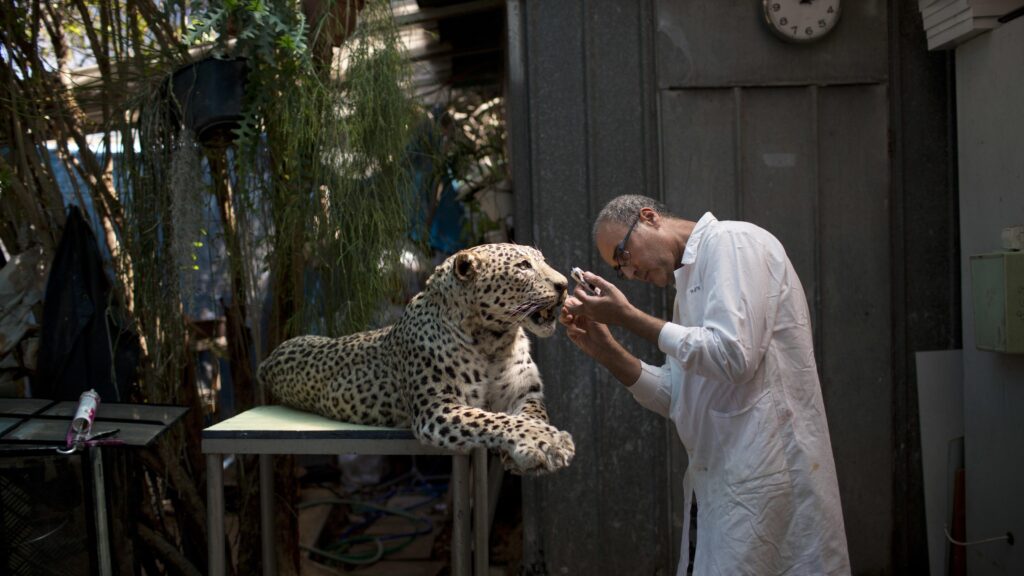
[(269, 430)]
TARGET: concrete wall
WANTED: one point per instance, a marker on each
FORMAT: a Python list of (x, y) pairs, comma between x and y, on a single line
[(841, 149), (990, 123)]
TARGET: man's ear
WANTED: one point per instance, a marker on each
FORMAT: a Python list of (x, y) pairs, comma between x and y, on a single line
[(466, 264), (650, 216)]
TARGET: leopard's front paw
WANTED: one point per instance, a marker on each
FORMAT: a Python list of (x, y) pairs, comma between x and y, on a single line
[(540, 452)]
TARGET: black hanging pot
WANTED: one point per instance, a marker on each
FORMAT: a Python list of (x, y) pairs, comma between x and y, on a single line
[(208, 96)]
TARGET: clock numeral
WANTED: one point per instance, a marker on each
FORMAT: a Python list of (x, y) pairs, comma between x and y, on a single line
[(808, 22)]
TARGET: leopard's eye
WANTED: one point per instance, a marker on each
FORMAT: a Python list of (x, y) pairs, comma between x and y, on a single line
[(524, 265)]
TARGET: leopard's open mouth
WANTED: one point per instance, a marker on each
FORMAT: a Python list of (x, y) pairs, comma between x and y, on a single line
[(545, 315)]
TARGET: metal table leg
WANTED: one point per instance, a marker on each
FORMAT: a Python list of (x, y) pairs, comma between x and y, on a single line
[(100, 505), (481, 522), (215, 513), (267, 514), (460, 515)]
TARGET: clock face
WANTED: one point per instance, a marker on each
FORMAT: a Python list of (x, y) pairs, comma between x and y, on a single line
[(801, 20)]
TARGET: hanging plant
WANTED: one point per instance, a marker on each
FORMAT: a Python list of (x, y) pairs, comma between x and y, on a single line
[(188, 197), (321, 158), (331, 21)]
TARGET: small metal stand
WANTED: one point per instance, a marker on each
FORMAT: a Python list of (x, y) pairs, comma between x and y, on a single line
[(32, 426)]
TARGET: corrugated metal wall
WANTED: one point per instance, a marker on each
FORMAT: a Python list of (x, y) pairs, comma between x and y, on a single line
[(697, 103), (990, 89), (591, 134)]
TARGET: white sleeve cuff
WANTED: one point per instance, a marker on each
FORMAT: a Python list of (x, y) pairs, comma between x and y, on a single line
[(652, 389), (670, 337)]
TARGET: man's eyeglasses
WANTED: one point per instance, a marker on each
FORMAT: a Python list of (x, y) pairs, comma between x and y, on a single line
[(621, 255)]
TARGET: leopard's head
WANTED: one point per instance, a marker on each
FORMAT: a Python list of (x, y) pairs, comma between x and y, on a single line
[(508, 285)]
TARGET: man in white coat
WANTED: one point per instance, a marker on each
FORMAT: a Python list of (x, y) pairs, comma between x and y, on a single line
[(740, 384)]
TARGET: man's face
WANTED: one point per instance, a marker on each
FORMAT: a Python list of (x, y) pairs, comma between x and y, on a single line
[(643, 251)]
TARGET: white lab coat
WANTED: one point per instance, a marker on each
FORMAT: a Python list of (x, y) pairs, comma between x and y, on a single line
[(741, 386)]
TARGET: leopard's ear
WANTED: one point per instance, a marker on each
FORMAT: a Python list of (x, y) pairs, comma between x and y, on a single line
[(466, 266)]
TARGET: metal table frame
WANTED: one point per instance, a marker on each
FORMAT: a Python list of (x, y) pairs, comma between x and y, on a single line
[(269, 430), (36, 426)]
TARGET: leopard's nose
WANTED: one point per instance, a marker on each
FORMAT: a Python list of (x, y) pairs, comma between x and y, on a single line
[(561, 286)]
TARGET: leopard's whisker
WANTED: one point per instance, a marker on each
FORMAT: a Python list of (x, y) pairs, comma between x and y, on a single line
[(523, 310)]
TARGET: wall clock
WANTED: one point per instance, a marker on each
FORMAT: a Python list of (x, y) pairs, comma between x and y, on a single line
[(801, 20)]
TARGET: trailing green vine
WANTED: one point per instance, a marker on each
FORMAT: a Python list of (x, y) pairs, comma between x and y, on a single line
[(321, 159)]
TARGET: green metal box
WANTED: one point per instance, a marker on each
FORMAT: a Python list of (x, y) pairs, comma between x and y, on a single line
[(997, 285)]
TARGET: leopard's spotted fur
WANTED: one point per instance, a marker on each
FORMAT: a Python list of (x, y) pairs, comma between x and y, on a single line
[(456, 367)]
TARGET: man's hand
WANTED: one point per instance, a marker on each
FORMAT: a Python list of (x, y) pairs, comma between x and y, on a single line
[(594, 339), (611, 307), (590, 336)]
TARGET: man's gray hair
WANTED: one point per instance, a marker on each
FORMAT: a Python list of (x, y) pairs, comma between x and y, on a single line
[(624, 209)]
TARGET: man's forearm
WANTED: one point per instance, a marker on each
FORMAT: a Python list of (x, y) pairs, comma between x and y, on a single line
[(623, 365), (643, 325)]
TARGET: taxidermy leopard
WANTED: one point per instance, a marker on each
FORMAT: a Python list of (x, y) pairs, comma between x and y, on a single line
[(456, 367)]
